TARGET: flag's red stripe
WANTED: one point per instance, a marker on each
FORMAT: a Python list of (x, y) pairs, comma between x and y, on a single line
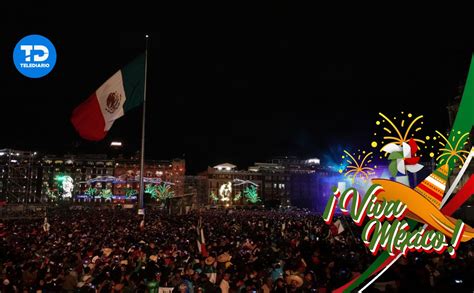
[(204, 250), (88, 120)]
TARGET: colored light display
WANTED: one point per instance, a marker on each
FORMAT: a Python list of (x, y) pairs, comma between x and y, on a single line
[(225, 191), (251, 194), (65, 185), (164, 191)]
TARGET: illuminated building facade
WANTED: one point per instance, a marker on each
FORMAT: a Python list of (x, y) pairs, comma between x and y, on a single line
[(27, 177), (226, 185), (281, 182), (79, 167), (275, 183), (291, 181), (170, 171)]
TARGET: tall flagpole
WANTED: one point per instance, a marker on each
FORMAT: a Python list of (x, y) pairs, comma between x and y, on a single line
[(142, 152)]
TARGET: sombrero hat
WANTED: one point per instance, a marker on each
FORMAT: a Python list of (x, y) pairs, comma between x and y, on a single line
[(209, 260), (107, 251), (294, 280), (424, 201), (225, 257), (154, 257)]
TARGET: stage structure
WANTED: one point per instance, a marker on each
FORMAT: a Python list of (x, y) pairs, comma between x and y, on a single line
[(18, 177)]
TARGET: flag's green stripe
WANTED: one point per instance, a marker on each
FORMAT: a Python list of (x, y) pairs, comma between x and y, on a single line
[(465, 116), (133, 76)]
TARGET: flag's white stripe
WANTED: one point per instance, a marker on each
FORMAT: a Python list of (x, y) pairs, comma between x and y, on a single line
[(113, 85), (445, 199)]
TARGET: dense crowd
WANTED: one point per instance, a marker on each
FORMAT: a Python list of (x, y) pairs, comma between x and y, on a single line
[(114, 250)]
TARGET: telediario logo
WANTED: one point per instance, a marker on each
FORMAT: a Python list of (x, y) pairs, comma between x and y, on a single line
[(34, 56)]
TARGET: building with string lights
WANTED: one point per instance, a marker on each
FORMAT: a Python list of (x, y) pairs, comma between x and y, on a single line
[(170, 171), (80, 168), (280, 182), (28, 177), (227, 186), (19, 177), (290, 181)]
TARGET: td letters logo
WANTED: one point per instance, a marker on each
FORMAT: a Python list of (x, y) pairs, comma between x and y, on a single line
[(34, 56)]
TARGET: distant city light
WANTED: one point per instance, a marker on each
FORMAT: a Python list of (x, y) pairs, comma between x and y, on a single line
[(315, 161), (226, 167), (116, 143), (13, 161)]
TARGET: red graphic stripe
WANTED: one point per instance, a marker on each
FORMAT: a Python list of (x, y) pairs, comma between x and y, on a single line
[(430, 191), (466, 191)]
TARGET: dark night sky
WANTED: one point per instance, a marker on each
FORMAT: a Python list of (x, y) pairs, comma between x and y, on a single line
[(241, 88)]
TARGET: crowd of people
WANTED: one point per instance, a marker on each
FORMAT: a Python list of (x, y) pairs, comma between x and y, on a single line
[(116, 250)]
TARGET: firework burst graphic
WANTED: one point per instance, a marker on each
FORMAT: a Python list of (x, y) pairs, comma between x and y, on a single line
[(452, 150), (408, 126), (358, 165)]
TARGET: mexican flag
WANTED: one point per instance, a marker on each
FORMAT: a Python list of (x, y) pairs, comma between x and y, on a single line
[(120, 93), (337, 228)]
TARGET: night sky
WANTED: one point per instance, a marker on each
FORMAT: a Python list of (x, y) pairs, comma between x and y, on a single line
[(247, 85)]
